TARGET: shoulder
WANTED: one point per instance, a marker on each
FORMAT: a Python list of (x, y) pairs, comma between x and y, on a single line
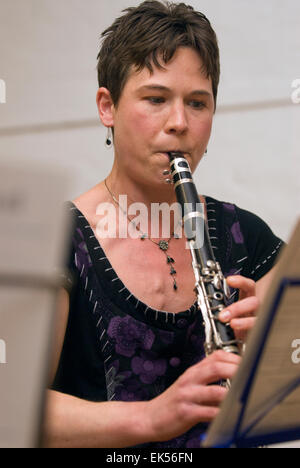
[(246, 228), (87, 202), (250, 222)]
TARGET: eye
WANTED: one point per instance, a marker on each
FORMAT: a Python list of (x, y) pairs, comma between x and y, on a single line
[(197, 104), (155, 99)]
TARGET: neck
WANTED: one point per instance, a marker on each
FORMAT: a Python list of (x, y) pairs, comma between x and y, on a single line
[(139, 192), (149, 194), (154, 212), (153, 207)]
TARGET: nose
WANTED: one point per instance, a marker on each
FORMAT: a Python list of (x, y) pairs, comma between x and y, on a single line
[(177, 119)]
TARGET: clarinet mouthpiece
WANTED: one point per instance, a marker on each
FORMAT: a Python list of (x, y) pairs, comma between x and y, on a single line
[(175, 154)]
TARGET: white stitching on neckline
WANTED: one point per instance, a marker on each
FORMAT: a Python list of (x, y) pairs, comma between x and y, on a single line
[(268, 258)]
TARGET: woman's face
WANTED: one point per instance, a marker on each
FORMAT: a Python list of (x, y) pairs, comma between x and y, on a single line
[(169, 110)]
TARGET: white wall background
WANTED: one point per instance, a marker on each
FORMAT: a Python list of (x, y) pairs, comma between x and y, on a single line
[(48, 52)]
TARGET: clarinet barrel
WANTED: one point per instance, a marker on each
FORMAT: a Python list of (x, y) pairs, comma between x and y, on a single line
[(211, 287)]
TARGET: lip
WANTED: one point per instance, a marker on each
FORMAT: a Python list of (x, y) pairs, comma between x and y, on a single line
[(175, 151)]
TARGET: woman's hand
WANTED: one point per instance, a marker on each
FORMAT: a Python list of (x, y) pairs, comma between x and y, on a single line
[(192, 399), (241, 314)]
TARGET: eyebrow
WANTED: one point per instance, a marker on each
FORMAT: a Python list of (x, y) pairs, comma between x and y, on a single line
[(156, 87)]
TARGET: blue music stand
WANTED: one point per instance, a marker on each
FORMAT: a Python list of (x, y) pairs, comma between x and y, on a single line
[(239, 427)]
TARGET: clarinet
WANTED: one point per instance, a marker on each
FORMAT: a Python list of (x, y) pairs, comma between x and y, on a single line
[(211, 287)]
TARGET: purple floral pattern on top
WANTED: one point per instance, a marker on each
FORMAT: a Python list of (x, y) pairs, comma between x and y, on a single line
[(129, 334), (132, 390), (122, 386), (148, 367)]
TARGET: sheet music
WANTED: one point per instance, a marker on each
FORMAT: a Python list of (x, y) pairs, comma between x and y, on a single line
[(273, 404), (277, 371)]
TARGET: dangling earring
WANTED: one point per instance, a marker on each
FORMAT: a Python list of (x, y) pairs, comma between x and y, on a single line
[(109, 138)]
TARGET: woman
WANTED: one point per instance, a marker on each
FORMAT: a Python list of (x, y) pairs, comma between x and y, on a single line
[(132, 369)]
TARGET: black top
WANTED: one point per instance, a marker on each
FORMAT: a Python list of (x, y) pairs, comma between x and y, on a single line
[(118, 348)]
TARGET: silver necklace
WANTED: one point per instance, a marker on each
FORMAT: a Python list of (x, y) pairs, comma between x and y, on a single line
[(162, 244)]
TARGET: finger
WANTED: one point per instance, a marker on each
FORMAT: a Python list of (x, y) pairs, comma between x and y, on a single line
[(204, 414), (204, 406), (213, 395), (242, 308), (245, 324), (214, 372), (245, 285), (208, 395), (224, 356), (200, 372), (216, 356)]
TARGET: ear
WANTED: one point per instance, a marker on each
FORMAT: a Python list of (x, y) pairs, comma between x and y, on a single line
[(105, 107)]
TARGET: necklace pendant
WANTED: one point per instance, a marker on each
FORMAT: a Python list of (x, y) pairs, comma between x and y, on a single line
[(163, 245)]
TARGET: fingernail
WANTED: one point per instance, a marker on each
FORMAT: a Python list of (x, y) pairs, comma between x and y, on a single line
[(225, 316)]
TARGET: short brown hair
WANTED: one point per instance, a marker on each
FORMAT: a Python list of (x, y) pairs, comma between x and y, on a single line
[(150, 30)]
